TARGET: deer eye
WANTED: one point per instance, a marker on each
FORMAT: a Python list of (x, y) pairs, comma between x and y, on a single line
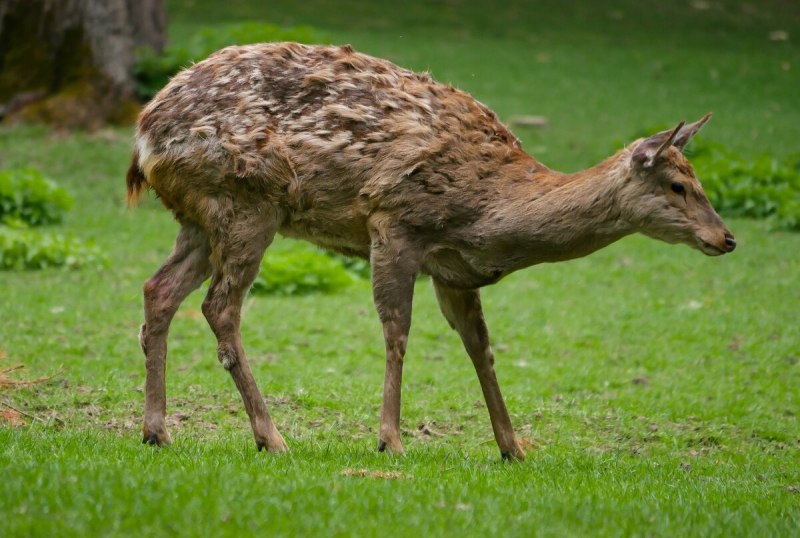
[(678, 188)]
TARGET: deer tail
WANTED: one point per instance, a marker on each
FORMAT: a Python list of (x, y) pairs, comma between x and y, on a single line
[(135, 180)]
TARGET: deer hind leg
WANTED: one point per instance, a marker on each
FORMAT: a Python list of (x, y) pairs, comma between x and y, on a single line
[(394, 270), (186, 268), (237, 250), (462, 309)]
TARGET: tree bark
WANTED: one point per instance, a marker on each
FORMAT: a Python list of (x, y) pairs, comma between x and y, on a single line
[(69, 63), (148, 23)]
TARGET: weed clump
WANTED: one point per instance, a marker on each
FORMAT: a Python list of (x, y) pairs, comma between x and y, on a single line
[(760, 188), (28, 201), (302, 269), (27, 196)]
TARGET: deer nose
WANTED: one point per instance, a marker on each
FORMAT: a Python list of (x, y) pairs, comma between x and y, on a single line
[(730, 243)]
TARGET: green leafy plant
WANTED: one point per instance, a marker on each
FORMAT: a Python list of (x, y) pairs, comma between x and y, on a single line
[(762, 187), (26, 195), (152, 70), (355, 266), (27, 200), (300, 270), (24, 248)]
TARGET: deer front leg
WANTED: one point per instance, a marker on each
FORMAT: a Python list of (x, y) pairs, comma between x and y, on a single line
[(394, 270), (462, 309)]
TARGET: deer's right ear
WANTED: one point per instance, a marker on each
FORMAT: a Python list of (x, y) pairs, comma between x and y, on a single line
[(689, 131), (647, 151)]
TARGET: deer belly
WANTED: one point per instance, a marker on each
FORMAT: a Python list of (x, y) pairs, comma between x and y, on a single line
[(456, 270)]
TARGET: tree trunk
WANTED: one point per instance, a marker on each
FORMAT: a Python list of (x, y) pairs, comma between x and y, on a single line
[(69, 62)]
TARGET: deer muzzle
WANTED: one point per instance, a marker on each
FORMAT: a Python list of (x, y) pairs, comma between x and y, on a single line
[(717, 246)]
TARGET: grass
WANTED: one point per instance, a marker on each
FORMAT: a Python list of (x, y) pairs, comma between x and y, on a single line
[(220, 488), (657, 388)]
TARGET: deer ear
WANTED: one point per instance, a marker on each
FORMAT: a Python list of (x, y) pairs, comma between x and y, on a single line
[(648, 150), (688, 131)]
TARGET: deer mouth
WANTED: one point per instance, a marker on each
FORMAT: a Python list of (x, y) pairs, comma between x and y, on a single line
[(710, 249)]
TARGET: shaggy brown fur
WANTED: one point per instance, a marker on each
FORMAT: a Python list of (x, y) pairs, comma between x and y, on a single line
[(365, 158)]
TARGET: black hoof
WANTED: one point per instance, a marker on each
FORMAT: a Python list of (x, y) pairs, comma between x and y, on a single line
[(260, 446), (381, 446), (506, 456), (151, 439)]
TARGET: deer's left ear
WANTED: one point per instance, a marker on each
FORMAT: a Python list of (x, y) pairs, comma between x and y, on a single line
[(648, 150), (688, 131)]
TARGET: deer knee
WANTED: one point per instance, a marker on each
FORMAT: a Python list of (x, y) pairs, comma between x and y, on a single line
[(227, 356), (142, 343)]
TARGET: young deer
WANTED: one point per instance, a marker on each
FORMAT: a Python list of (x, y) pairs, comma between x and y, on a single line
[(364, 158)]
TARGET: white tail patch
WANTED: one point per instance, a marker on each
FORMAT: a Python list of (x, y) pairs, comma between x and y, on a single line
[(147, 160)]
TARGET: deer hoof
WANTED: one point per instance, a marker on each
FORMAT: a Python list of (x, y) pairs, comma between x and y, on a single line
[(512, 455), (155, 438), (274, 449), (275, 445), (395, 447)]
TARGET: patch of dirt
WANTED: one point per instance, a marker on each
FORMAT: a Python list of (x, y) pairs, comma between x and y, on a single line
[(428, 430), (275, 401), (198, 411), (175, 423), (11, 417), (431, 429), (120, 425), (366, 473)]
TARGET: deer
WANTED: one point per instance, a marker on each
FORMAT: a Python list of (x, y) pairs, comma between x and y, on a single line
[(371, 160)]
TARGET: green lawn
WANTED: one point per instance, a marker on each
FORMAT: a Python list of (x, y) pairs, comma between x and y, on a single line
[(656, 388)]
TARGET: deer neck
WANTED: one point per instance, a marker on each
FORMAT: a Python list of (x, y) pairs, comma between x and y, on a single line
[(579, 214)]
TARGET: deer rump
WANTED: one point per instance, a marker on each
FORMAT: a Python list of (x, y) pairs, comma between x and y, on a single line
[(363, 157)]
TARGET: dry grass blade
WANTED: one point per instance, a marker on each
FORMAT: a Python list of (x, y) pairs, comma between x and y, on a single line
[(8, 382)]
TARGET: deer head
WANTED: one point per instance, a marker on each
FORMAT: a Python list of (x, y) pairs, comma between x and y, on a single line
[(666, 200)]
